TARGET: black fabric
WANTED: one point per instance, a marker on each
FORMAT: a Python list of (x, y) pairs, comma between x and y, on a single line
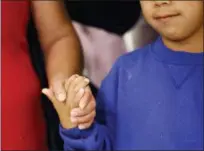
[(114, 16)]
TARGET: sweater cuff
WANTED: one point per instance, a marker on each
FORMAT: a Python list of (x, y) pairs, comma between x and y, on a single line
[(76, 133)]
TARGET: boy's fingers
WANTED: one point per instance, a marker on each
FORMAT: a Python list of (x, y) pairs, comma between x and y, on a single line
[(82, 83), (84, 119), (90, 107), (71, 92), (77, 112), (68, 81), (74, 82), (87, 102), (78, 96), (81, 94)]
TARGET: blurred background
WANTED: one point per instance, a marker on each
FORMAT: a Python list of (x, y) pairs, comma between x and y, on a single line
[(107, 30)]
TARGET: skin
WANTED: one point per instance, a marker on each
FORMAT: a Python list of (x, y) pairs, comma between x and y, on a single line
[(78, 93), (183, 32), (60, 44), (61, 48)]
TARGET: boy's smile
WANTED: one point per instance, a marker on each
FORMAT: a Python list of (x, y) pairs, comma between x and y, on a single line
[(174, 20), (165, 17)]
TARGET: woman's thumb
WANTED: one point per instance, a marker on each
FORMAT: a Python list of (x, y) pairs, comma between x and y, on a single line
[(49, 94)]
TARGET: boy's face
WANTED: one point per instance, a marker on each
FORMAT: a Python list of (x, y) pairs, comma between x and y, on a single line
[(174, 20)]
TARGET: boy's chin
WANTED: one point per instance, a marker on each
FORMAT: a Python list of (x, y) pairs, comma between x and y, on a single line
[(174, 37)]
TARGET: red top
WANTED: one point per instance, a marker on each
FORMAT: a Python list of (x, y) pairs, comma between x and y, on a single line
[(23, 125)]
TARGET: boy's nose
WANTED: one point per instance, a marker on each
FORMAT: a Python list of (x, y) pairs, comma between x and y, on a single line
[(161, 2)]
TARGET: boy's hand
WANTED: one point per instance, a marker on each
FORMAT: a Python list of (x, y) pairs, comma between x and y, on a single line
[(75, 86), (84, 115), (83, 109)]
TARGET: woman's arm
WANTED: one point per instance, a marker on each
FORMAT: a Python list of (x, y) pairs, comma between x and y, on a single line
[(60, 44)]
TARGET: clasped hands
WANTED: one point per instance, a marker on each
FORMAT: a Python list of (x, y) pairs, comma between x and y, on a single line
[(73, 100)]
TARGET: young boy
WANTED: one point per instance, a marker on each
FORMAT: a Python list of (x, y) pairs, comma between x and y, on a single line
[(153, 97)]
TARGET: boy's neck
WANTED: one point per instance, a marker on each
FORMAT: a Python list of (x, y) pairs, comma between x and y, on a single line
[(194, 44)]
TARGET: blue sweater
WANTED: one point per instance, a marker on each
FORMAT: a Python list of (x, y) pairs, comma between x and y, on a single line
[(152, 99)]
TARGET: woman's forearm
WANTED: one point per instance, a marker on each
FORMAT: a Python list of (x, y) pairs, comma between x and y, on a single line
[(61, 46), (64, 58)]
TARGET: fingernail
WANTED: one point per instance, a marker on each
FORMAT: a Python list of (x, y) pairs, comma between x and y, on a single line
[(87, 80), (82, 105), (81, 91), (81, 127), (44, 91), (61, 97)]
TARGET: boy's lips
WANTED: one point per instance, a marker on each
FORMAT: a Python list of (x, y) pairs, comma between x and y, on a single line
[(164, 16)]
